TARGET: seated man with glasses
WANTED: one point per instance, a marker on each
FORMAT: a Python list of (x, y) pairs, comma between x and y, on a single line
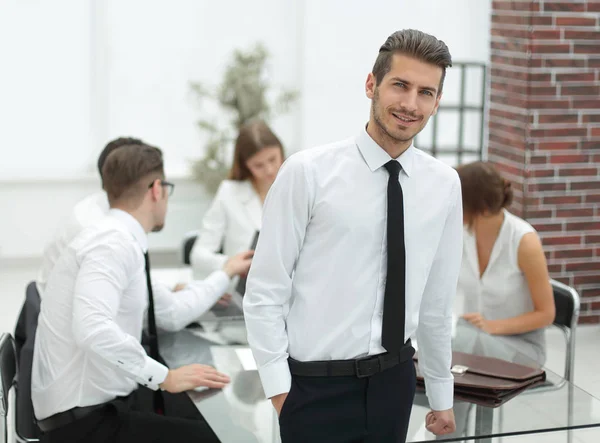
[(88, 358)]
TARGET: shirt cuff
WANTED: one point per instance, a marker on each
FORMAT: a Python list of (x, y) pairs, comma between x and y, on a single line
[(153, 374), (440, 394), (276, 378), (220, 261)]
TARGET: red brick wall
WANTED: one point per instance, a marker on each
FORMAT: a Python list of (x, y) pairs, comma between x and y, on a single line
[(544, 130)]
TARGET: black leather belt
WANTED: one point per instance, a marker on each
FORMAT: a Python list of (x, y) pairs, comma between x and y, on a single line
[(361, 368), (64, 418)]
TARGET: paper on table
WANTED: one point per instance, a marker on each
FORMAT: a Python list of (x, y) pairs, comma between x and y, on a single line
[(246, 359)]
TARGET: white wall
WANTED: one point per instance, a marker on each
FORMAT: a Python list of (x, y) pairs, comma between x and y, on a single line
[(44, 88), (154, 57), (76, 73)]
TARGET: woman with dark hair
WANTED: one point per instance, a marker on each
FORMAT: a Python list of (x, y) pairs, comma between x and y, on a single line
[(234, 216), (504, 278)]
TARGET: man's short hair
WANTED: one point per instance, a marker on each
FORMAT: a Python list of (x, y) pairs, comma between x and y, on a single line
[(128, 172), (416, 44), (111, 146)]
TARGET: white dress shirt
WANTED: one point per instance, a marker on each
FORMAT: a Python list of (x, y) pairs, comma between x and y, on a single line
[(323, 246), (230, 223), (89, 210), (87, 346)]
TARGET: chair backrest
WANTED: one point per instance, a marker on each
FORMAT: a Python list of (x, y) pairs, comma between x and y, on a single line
[(25, 426), (188, 245), (566, 300), (8, 370)]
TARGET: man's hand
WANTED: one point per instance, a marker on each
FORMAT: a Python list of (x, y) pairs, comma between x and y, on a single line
[(224, 301), (189, 377), (479, 321), (179, 287), (238, 264), (278, 402), (440, 422)]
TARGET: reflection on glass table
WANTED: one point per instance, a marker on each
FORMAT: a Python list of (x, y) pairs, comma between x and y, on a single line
[(240, 412)]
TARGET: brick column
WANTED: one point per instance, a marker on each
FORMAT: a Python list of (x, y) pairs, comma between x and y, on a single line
[(544, 130)]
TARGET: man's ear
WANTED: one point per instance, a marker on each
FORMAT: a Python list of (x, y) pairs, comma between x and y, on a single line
[(156, 190), (437, 104), (370, 86)]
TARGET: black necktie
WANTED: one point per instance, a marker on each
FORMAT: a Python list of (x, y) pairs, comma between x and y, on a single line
[(158, 399), (392, 333)]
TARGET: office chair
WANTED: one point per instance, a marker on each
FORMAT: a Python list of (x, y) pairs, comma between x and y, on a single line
[(188, 244), (25, 427), (8, 371), (566, 300), (189, 240)]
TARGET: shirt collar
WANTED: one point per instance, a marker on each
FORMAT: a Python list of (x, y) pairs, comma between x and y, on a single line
[(375, 156), (133, 226), (247, 192)]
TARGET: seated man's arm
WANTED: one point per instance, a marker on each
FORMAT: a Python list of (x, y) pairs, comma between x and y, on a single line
[(102, 279), (175, 310)]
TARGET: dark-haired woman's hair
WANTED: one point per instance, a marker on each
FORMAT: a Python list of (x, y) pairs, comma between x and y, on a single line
[(253, 136), (483, 189)]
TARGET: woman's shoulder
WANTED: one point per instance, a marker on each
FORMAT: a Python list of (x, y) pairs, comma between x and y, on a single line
[(229, 187), (518, 232), (517, 224), (234, 192)]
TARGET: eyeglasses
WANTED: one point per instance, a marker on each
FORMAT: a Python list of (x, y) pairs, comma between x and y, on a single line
[(170, 186)]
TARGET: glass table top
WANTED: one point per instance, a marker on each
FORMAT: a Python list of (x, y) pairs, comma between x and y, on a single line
[(241, 413)]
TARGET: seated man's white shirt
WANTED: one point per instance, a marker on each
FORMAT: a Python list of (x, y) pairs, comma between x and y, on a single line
[(89, 210), (87, 347)]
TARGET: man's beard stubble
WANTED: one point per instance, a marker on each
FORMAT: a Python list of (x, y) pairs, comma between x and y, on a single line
[(381, 125)]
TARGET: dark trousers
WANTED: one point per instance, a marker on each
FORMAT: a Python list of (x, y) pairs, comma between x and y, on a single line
[(350, 409), (131, 419)]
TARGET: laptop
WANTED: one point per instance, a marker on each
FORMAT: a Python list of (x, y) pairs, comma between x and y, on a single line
[(234, 311)]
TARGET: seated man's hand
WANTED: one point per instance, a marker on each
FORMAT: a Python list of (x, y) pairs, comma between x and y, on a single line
[(179, 287), (440, 422), (189, 377), (224, 301), (239, 264), (278, 401)]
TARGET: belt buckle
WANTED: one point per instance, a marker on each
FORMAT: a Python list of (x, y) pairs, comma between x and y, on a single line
[(369, 372)]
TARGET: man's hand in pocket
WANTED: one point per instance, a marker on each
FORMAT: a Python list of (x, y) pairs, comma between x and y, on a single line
[(278, 402)]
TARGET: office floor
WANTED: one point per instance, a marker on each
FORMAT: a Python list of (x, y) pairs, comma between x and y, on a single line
[(14, 278)]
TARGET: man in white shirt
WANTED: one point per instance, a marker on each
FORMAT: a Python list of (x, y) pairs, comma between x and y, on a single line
[(87, 211), (88, 359), (363, 239)]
